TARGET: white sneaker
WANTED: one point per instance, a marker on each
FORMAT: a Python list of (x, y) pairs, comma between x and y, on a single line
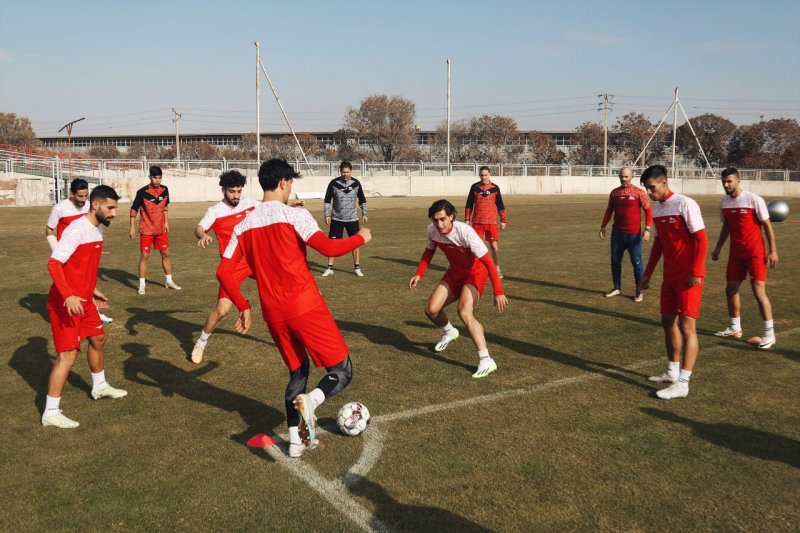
[(485, 367), (729, 332), (612, 292), (197, 351), (298, 449), (358, 272), (639, 297), (58, 420), (328, 272), (663, 378), (767, 342), (172, 285), (447, 338), (141, 289), (106, 319), (679, 389), (308, 422), (108, 392)]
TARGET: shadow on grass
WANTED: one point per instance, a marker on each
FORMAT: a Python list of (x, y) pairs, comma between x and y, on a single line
[(743, 346), (408, 263), (403, 517), (752, 442), (123, 277), (33, 363), (391, 337), (596, 311), (35, 303), (172, 380)]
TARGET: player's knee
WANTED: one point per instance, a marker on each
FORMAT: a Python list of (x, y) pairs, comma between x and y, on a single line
[(97, 341), (688, 327), (731, 289), (465, 311), (339, 376), (68, 358), (431, 312)]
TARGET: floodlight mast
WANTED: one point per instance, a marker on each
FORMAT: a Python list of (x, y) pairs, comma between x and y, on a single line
[(448, 116), (258, 106), (68, 127)]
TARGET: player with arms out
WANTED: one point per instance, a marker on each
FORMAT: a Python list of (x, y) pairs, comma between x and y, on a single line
[(272, 240), (484, 203), (464, 281), (151, 202), (743, 216), (73, 316), (64, 213), (680, 235)]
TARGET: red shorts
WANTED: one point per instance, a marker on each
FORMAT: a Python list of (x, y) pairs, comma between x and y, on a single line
[(240, 273), (456, 281), (489, 229), (739, 268), (69, 331), (157, 242), (313, 333), (677, 298)]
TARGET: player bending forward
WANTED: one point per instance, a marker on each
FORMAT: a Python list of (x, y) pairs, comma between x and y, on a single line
[(272, 240), (470, 266), (73, 316)]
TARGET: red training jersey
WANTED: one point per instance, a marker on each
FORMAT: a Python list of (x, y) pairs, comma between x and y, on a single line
[(744, 215), (626, 204), (484, 203), (151, 203), (221, 218), (680, 235), (65, 213), (79, 251)]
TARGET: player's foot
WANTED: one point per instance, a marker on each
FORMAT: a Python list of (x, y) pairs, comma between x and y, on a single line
[(447, 338), (729, 332), (57, 419), (141, 289), (639, 297), (106, 319), (297, 449), (108, 392), (612, 292), (197, 351), (485, 367), (172, 285), (499, 274), (679, 389), (357, 272), (328, 272), (663, 378), (767, 342), (308, 422)]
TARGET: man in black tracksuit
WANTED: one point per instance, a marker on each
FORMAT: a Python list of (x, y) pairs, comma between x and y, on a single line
[(343, 195)]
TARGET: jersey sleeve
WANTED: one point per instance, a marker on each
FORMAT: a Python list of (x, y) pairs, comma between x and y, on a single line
[(501, 208), (362, 200), (166, 197), (305, 225), (476, 245), (470, 204), (721, 212), (430, 244), (137, 203), (70, 240), (55, 215), (762, 213), (692, 215), (208, 220), (328, 199), (644, 202)]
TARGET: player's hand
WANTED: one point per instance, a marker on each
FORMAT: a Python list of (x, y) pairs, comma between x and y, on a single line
[(645, 235), (602, 233), (502, 225), (715, 254), (327, 221), (694, 281), (132, 233), (412, 283), (366, 233), (244, 321), (297, 203), (166, 227), (74, 306), (205, 240), (772, 259), (644, 283), (364, 218), (501, 302)]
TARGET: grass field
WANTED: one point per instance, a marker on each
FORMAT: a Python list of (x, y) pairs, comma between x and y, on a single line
[(567, 435)]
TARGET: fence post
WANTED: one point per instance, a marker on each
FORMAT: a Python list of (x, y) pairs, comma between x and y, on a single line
[(785, 175)]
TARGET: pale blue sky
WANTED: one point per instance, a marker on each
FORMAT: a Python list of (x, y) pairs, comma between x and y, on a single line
[(123, 65)]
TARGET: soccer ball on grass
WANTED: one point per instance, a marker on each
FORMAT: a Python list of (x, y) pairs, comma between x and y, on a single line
[(353, 419)]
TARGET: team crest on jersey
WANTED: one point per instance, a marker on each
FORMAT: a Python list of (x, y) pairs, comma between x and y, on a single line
[(672, 220), (485, 193), (743, 211), (631, 198)]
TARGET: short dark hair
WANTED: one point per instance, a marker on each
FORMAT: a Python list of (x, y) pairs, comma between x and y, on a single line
[(439, 205), (345, 164), (655, 171), (273, 171), (730, 171), (78, 184), (155, 171), (484, 167), (232, 178), (103, 192)]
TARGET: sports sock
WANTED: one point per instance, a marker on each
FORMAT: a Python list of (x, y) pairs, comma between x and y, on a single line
[(141, 282), (99, 380), (448, 327), (52, 404), (673, 368), (317, 397), (483, 354), (204, 336), (169, 277), (294, 435), (769, 328), (685, 375), (736, 323), (356, 265)]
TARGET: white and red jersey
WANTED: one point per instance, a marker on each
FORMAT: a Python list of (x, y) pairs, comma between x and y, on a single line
[(461, 245), (79, 251), (744, 215), (63, 214), (221, 218), (679, 231)]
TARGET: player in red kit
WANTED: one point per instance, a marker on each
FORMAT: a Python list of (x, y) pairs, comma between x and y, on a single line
[(73, 316), (743, 216), (151, 204), (626, 203), (484, 204), (470, 267), (272, 241), (680, 236)]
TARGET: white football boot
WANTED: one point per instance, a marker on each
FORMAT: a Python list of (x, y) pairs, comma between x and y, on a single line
[(58, 420), (679, 389), (447, 338)]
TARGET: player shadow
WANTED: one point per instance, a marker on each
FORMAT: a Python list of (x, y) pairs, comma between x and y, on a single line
[(391, 337), (743, 346), (33, 363), (172, 381), (551, 284), (395, 516), (36, 304), (596, 311), (407, 262), (123, 277), (741, 439)]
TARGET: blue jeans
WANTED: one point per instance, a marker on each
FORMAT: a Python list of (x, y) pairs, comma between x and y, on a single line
[(632, 242)]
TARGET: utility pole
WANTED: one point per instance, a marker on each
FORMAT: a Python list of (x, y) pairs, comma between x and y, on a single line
[(176, 121), (258, 105), (68, 127), (605, 105), (448, 116)]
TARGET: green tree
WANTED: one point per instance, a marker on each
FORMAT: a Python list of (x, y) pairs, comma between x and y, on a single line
[(17, 131), (714, 133), (387, 123)]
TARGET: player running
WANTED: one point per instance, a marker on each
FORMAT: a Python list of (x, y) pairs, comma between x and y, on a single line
[(743, 215), (272, 240), (64, 213), (464, 281), (680, 235), (73, 317), (151, 202), (484, 203)]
